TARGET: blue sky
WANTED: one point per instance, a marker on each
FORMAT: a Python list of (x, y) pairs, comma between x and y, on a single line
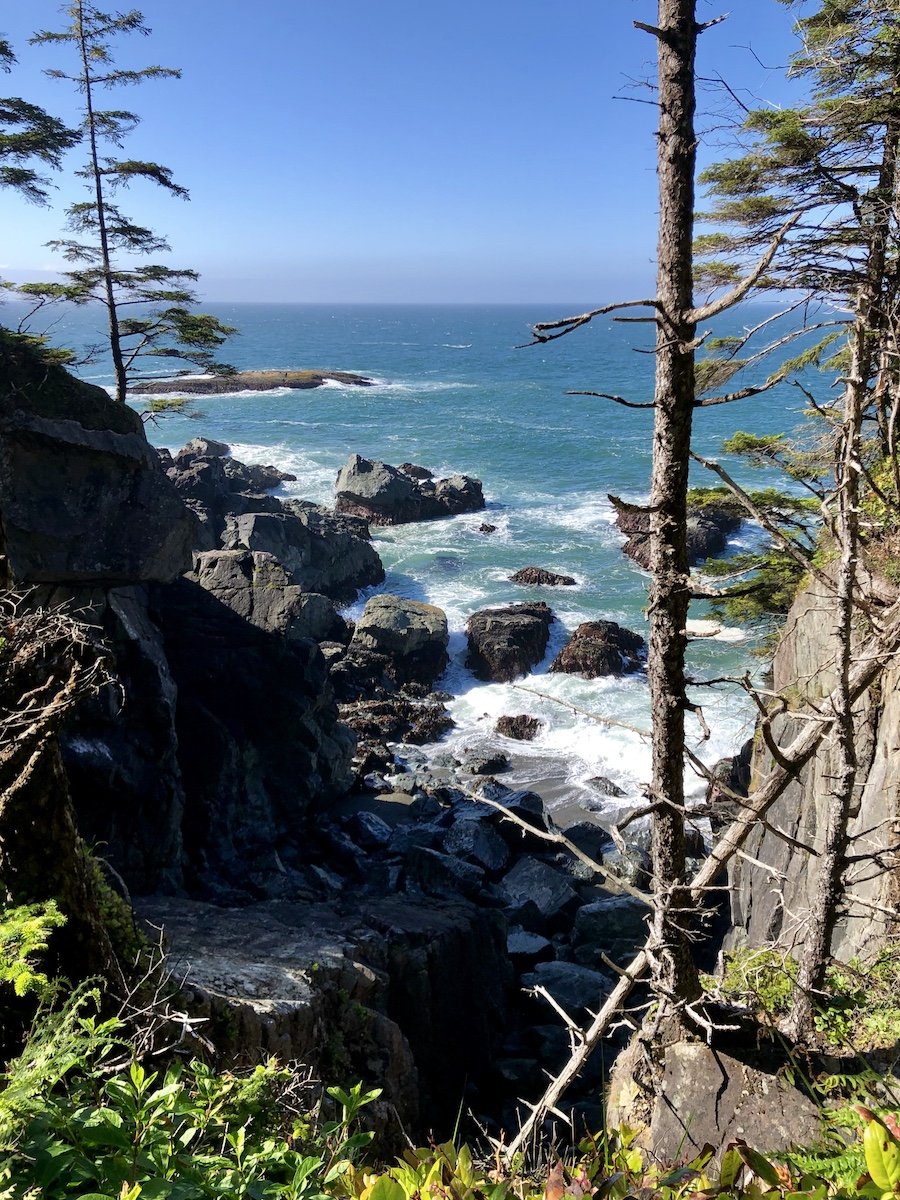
[(404, 150)]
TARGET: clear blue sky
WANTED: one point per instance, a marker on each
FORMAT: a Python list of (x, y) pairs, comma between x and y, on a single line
[(395, 150)]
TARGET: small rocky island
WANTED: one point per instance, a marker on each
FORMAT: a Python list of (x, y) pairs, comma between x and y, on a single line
[(247, 381)]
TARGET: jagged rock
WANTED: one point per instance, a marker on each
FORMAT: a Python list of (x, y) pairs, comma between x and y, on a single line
[(631, 866), (485, 527), (485, 764), (599, 648), (578, 989), (396, 719), (254, 477), (531, 880), (478, 841), (378, 989), (412, 635), (384, 495), (83, 496), (505, 643), (442, 874), (762, 915), (202, 447), (257, 587), (734, 774), (528, 948), (539, 577), (708, 1097), (520, 727), (259, 745), (606, 787), (615, 925), (415, 472), (708, 527), (318, 556), (246, 381)]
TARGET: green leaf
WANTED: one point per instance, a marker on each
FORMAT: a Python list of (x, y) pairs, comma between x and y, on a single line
[(882, 1152), (731, 1167), (386, 1188)]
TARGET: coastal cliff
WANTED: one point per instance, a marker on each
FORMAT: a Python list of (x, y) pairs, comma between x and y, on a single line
[(774, 884)]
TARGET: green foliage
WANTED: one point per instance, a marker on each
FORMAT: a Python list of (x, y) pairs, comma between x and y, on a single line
[(24, 933), (116, 916), (29, 135), (773, 574), (78, 1117), (762, 979)]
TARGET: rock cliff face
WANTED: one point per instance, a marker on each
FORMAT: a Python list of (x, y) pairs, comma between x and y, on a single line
[(201, 765), (765, 912)]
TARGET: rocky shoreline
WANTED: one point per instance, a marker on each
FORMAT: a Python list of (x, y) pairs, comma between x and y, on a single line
[(253, 769), (246, 381)]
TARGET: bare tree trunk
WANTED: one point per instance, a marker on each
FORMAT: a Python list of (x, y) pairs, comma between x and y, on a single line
[(675, 975), (866, 344)]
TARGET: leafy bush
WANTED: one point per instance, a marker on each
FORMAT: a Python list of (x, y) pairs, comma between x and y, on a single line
[(24, 933)]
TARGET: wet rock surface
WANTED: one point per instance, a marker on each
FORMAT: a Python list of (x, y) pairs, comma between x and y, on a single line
[(386, 495), (598, 648), (708, 528), (540, 577), (505, 643)]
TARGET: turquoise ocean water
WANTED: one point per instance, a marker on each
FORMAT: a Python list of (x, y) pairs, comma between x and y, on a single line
[(454, 393)]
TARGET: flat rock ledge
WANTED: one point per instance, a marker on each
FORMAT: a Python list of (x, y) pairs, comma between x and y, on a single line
[(247, 381)]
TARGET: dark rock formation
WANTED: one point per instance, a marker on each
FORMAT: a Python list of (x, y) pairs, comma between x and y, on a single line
[(539, 577), (246, 381), (412, 996), (710, 1098), (708, 527), (384, 495), (600, 648), (505, 643), (412, 635), (520, 727), (257, 587), (318, 551), (763, 915), (83, 498)]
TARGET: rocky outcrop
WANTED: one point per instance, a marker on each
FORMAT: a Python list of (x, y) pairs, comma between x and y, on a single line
[(411, 635), (520, 727), (708, 528), (505, 643), (599, 648), (540, 577), (246, 381), (386, 495), (82, 497), (706, 1097), (319, 552), (382, 990), (762, 914), (257, 587)]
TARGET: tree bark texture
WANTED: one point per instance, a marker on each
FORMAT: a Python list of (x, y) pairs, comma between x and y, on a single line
[(674, 970)]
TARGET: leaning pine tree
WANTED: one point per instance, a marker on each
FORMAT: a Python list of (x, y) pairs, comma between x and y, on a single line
[(148, 305)]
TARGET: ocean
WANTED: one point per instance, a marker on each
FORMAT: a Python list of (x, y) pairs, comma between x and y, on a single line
[(457, 391)]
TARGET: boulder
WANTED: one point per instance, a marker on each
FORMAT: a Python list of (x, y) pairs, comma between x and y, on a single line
[(202, 447), (83, 496), (615, 925), (533, 881), (707, 1097), (254, 477), (599, 648), (579, 990), (505, 643), (606, 787), (708, 527), (520, 727), (412, 635), (257, 587), (384, 495), (476, 840), (317, 554), (539, 577)]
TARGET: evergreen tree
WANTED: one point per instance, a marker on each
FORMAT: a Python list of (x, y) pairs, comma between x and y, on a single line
[(28, 135), (148, 306)]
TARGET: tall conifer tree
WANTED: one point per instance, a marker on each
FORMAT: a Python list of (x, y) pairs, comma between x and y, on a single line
[(148, 306)]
